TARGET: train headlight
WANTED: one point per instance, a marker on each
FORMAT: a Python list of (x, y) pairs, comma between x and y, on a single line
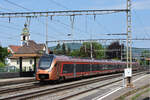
[(49, 70)]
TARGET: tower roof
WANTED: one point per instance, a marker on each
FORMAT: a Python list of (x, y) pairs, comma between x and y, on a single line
[(25, 30)]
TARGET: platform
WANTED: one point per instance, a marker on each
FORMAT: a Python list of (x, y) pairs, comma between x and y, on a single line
[(115, 90), (10, 81), (119, 91)]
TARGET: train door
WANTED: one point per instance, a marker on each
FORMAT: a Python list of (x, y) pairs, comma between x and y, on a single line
[(57, 65), (90, 68), (74, 70)]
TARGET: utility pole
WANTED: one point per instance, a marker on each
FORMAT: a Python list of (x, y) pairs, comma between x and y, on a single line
[(121, 50), (91, 50), (46, 35)]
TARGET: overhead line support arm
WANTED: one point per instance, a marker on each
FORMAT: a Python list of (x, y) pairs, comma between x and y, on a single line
[(61, 13)]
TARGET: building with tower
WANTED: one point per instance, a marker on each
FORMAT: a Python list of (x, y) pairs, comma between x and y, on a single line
[(25, 36), (29, 51)]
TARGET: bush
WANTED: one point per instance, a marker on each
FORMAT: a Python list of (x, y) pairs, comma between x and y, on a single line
[(2, 64)]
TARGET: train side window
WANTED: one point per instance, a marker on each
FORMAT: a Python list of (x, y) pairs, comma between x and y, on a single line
[(79, 67), (68, 68), (84, 67), (95, 67), (87, 67), (104, 67), (100, 67)]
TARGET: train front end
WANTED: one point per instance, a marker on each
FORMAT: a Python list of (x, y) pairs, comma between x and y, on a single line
[(45, 68)]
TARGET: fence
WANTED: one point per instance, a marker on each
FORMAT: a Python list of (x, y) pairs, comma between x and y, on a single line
[(9, 69)]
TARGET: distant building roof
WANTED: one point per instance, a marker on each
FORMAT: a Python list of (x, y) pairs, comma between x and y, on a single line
[(147, 59), (31, 48), (13, 48)]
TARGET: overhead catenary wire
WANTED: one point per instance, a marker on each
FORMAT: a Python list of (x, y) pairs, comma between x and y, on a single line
[(71, 11), (140, 22), (17, 5), (71, 18), (28, 19), (2, 8), (59, 4), (65, 7)]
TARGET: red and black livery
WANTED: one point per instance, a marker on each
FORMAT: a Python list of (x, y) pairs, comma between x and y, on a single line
[(52, 67)]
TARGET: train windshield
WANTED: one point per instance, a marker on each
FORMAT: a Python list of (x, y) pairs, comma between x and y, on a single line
[(45, 62)]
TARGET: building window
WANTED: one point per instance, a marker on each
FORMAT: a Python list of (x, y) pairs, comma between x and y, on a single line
[(17, 62), (31, 61), (24, 38)]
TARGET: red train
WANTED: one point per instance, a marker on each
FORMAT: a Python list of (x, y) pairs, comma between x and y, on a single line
[(52, 67)]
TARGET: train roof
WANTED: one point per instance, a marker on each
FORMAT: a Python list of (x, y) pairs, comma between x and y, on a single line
[(72, 59)]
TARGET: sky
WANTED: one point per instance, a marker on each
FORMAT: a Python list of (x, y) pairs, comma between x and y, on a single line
[(85, 27)]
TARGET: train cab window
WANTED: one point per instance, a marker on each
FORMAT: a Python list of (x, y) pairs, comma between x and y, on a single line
[(45, 62)]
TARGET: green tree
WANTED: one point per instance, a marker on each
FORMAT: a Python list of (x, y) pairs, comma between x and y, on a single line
[(2, 64), (115, 50), (64, 49), (97, 50), (58, 46), (146, 53), (3, 54), (75, 53), (68, 51)]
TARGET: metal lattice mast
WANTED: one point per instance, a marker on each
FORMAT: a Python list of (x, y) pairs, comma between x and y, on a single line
[(130, 31), (129, 34)]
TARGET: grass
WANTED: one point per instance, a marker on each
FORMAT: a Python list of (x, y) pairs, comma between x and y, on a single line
[(138, 95), (132, 92)]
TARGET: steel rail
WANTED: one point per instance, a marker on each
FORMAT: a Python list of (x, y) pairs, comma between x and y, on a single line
[(38, 93), (19, 88), (79, 93)]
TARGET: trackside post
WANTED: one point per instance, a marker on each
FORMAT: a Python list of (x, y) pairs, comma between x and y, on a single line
[(128, 75)]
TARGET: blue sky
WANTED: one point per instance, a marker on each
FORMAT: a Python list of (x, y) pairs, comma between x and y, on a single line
[(85, 27)]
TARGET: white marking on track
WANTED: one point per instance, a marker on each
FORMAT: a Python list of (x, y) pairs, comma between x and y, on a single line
[(139, 78), (106, 94)]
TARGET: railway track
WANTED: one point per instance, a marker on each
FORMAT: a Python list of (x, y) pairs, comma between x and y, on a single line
[(46, 91), (18, 87), (89, 90)]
